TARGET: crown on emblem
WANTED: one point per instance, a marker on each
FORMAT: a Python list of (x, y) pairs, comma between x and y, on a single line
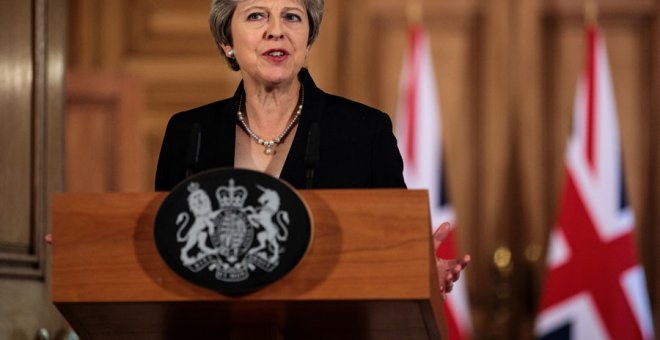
[(231, 196)]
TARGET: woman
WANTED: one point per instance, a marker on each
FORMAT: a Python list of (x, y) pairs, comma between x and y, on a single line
[(267, 124), (278, 102)]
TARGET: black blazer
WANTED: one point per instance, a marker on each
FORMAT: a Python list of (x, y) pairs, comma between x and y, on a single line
[(357, 147)]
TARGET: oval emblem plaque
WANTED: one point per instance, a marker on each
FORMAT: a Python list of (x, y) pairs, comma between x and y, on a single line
[(232, 230)]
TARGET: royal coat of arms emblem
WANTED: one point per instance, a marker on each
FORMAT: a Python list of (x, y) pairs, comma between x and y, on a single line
[(244, 235)]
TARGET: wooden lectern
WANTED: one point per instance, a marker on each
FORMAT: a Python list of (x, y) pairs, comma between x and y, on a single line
[(369, 274)]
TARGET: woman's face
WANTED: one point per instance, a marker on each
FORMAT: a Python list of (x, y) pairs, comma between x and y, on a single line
[(269, 39)]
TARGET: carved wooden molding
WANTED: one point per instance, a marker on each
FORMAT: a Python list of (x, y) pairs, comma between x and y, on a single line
[(175, 28), (27, 260), (108, 106)]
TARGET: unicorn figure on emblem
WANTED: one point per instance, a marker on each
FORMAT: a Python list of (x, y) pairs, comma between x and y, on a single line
[(263, 217)]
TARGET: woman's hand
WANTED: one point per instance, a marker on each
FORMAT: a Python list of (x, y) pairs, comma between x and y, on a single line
[(49, 238), (449, 270)]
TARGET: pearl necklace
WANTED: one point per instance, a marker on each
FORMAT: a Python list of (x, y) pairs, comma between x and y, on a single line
[(269, 145)]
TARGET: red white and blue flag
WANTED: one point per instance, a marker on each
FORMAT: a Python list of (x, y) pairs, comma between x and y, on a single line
[(595, 286), (419, 138)]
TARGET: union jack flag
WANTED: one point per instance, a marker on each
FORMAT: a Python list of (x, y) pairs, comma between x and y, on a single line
[(595, 287), (420, 143)]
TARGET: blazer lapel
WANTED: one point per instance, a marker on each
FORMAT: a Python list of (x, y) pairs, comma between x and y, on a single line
[(294, 169), (225, 138)]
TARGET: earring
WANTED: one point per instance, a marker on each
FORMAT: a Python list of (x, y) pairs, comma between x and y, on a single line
[(230, 54)]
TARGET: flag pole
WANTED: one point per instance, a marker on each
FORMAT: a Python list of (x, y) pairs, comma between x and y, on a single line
[(414, 12), (591, 12)]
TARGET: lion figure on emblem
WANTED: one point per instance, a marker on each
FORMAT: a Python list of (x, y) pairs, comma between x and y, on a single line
[(200, 205)]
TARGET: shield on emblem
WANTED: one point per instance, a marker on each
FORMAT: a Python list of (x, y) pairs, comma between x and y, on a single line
[(233, 234), (232, 230)]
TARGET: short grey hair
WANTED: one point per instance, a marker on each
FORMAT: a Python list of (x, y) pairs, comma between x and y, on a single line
[(223, 10)]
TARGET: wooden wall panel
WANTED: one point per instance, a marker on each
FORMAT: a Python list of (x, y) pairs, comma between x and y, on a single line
[(531, 131), (104, 142), (327, 56), (630, 73), (168, 28)]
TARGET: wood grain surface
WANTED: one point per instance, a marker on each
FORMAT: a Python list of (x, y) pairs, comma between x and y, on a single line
[(366, 244), (368, 273)]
